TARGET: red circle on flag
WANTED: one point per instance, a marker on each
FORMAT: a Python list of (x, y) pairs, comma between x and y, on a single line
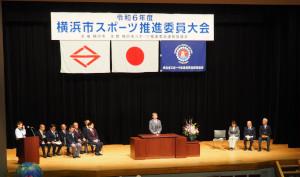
[(135, 55)]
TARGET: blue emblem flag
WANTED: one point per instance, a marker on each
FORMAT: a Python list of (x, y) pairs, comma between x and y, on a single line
[(182, 56)]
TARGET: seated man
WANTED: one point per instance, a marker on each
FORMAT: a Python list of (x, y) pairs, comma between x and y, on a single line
[(264, 134), (93, 138), (249, 135), (155, 124), (43, 140), (63, 136), (53, 141), (80, 137), (73, 142)]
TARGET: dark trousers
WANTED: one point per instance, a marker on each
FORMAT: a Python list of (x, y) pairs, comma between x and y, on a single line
[(260, 139), (245, 142), (43, 146), (98, 145), (53, 146), (20, 147)]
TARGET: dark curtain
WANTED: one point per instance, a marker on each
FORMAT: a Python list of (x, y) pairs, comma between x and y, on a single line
[(252, 72)]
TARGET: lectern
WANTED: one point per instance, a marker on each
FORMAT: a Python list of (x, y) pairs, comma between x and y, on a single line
[(31, 152)]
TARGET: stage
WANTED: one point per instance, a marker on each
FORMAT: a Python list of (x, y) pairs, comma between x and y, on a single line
[(116, 161)]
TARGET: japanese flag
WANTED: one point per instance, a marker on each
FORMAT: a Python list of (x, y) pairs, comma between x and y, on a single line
[(135, 56), (85, 56)]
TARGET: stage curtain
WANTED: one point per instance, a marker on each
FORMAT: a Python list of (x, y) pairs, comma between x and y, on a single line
[(252, 72)]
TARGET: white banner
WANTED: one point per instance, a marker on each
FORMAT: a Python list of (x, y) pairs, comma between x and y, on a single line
[(85, 56), (135, 56), (131, 26)]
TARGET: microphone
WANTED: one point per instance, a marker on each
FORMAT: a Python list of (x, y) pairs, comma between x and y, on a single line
[(31, 129)]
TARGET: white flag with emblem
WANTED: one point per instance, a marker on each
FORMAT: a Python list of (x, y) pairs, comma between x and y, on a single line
[(135, 56), (85, 56)]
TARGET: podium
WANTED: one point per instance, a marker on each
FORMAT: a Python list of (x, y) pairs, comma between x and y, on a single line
[(31, 152), (149, 146)]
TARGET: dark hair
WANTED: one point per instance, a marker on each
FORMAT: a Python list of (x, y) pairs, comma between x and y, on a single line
[(19, 122), (233, 122), (52, 125), (71, 126), (90, 123)]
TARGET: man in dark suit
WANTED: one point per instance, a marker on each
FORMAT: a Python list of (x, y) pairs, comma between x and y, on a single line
[(53, 140), (73, 142), (85, 128), (249, 135), (79, 135), (93, 138), (264, 134), (43, 140), (63, 136)]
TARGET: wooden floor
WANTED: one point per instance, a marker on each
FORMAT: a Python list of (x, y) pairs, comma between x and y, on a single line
[(116, 161)]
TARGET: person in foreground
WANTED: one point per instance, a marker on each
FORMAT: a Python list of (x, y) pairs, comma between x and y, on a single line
[(63, 136), (93, 138), (20, 133), (73, 142), (249, 135), (155, 126), (234, 135), (264, 134)]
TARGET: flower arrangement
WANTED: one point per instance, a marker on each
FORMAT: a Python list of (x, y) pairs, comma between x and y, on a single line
[(190, 129)]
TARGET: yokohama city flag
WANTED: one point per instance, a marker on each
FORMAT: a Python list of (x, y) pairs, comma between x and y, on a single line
[(135, 56), (85, 56)]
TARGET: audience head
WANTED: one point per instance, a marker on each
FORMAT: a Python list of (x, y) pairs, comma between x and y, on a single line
[(75, 125), (265, 121), (91, 125), (63, 127), (71, 128), (154, 115), (249, 123), (20, 124), (52, 127), (233, 123), (86, 122), (42, 127)]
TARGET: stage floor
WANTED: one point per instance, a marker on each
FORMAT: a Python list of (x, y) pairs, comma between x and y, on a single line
[(116, 161)]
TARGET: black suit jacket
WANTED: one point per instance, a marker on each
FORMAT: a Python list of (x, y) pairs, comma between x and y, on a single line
[(42, 136), (91, 136), (52, 136), (63, 137), (78, 134), (265, 131), (71, 139), (250, 132)]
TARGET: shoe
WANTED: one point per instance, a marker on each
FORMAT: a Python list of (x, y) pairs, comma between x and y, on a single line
[(74, 157), (81, 152), (45, 156), (77, 156), (268, 149), (48, 155), (58, 154), (250, 149), (245, 149), (98, 153), (259, 150)]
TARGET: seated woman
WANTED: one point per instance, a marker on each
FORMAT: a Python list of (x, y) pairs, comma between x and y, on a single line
[(73, 142), (234, 135)]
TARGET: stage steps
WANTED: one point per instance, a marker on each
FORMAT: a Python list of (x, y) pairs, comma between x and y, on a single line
[(290, 168)]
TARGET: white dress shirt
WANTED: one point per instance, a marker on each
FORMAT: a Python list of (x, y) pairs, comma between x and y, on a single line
[(20, 133)]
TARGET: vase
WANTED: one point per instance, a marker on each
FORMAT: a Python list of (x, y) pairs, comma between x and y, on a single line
[(192, 137)]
